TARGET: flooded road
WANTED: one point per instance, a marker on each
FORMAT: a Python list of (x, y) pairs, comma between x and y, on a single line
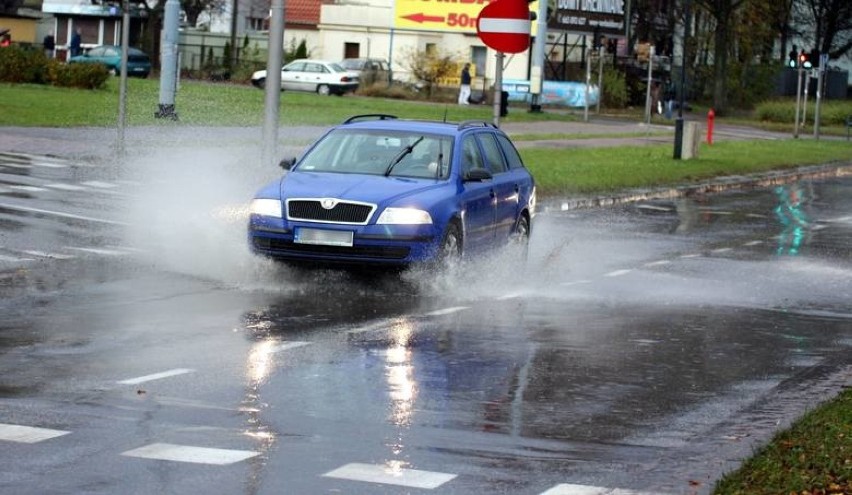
[(646, 348)]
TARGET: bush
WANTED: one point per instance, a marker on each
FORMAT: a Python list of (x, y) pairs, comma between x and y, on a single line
[(614, 89), (84, 76), (19, 65), (832, 112), (382, 90)]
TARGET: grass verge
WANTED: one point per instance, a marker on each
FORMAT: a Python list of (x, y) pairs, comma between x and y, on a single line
[(594, 170), (813, 457)]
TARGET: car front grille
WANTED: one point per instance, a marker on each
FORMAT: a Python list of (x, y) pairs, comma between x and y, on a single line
[(311, 210), (284, 247)]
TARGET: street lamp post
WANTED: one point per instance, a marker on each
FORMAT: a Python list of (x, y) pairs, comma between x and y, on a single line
[(678, 144)]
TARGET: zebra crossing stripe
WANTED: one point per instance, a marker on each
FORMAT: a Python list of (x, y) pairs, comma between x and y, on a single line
[(390, 475), (188, 453), (27, 434), (156, 376), (571, 489)]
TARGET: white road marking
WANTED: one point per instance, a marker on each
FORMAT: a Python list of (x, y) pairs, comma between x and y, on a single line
[(27, 188), (570, 489), (753, 243), (390, 475), (687, 256), (657, 263), (721, 250), (106, 252), (59, 214), (14, 259), (56, 256), (370, 327), (188, 453), (27, 434), (575, 282), (65, 187), (818, 227), (714, 212), (288, 345), (654, 207), (156, 376), (510, 296), (447, 311), (98, 184), (618, 273), (755, 215)]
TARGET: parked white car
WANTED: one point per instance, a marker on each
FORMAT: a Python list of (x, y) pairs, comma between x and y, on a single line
[(316, 76)]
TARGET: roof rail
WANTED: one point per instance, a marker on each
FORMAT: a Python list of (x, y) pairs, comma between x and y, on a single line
[(475, 123), (377, 116)]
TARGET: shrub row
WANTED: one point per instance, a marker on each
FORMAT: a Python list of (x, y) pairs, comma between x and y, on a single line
[(832, 112), (20, 65)]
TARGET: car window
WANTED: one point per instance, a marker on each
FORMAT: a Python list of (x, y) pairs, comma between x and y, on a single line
[(471, 157), (359, 151), (111, 52), (313, 67), (336, 68), (493, 155), (511, 152), (295, 67)]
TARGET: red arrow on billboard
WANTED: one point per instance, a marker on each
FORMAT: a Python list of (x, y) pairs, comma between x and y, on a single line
[(421, 18), (504, 25)]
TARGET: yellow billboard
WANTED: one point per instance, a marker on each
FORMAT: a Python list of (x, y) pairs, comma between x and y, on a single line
[(442, 15)]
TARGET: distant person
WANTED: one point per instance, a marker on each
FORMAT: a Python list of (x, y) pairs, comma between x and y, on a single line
[(49, 44), (464, 90), (75, 47), (669, 94)]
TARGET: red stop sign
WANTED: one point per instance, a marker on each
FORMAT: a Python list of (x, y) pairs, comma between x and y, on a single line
[(504, 25)]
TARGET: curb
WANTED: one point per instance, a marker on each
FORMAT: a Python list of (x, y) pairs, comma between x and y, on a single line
[(721, 184)]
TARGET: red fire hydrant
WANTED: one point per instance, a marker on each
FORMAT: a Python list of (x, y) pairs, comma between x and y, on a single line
[(711, 115)]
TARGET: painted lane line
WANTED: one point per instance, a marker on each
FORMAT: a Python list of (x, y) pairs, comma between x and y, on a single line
[(657, 263), (654, 207), (818, 227), (508, 297), (753, 243), (388, 475), (14, 259), (42, 254), (687, 256), (372, 327), (27, 434), (721, 250), (447, 311), (576, 282), (98, 184), (65, 187), (618, 273), (105, 252), (28, 188), (188, 453), (288, 345), (156, 376), (59, 214), (570, 489)]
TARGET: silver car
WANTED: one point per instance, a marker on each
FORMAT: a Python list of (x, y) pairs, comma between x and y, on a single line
[(315, 76)]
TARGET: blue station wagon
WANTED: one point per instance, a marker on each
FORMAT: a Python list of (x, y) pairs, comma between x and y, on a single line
[(377, 190)]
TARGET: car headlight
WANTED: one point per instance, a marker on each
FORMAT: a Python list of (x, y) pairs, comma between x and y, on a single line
[(404, 216), (266, 207)]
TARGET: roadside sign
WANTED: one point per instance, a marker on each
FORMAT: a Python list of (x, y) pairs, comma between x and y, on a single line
[(504, 25), (444, 16), (823, 62)]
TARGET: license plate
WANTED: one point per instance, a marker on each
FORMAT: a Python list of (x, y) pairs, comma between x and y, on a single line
[(323, 237)]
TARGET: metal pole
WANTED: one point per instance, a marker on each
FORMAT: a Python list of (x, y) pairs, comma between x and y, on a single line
[(798, 102), (537, 71), (600, 78), (168, 61), (648, 89), (498, 88), (817, 104), (122, 84), (274, 63), (588, 83), (806, 82)]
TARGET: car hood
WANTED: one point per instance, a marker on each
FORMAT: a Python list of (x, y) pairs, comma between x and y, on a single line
[(380, 190)]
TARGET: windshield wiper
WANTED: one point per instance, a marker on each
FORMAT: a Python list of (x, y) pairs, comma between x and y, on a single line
[(402, 154)]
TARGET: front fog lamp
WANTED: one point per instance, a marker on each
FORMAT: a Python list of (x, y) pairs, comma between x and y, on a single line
[(266, 207), (404, 216)]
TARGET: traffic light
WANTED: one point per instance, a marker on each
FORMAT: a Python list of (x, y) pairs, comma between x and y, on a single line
[(805, 60)]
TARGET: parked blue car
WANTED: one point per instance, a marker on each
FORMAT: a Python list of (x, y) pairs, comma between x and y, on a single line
[(377, 190), (138, 63)]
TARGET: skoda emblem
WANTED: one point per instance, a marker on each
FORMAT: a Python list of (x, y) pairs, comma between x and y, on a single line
[(328, 203)]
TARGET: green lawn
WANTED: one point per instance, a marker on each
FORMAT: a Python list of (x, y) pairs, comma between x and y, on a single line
[(201, 103)]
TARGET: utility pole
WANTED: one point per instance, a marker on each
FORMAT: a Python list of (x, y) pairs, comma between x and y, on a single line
[(169, 61), (537, 73), (274, 62), (122, 85), (498, 88)]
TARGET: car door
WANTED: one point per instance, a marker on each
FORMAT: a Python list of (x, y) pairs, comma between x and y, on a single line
[(315, 75), (503, 184), (291, 75), (477, 198)]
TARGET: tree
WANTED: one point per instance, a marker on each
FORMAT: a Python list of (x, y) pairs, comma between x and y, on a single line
[(831, 26), (722, 12), (429, 66)]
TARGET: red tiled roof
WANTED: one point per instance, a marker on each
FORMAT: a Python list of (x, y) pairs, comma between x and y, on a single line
[(302, 12)]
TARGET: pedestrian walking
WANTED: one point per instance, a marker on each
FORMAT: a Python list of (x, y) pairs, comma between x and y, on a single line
[(49, 44), (75, 47), (669, 94), (464, 89)]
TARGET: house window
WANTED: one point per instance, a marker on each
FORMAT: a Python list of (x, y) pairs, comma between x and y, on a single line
[(351, 50), (431, 48)]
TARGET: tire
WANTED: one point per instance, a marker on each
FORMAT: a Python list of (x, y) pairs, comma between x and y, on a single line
[(520, 236), (261, 83), (450, 250), (323, 89)]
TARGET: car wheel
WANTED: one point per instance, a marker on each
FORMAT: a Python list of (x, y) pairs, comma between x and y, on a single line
[(261, 83), (520, 237), (323, 89), (451, 245)]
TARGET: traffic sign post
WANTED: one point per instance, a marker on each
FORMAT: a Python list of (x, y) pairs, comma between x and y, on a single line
[(503, 25)]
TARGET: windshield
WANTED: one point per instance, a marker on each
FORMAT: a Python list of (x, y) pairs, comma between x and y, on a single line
[(336, 68), (393, 153)]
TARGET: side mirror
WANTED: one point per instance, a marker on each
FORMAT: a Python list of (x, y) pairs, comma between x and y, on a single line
[(478, 175), (287, 163)]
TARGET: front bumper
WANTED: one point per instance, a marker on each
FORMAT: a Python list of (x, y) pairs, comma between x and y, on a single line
[(371, 244)]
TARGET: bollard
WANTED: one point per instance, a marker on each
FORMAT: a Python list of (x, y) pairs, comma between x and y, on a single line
[(711, 115)]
